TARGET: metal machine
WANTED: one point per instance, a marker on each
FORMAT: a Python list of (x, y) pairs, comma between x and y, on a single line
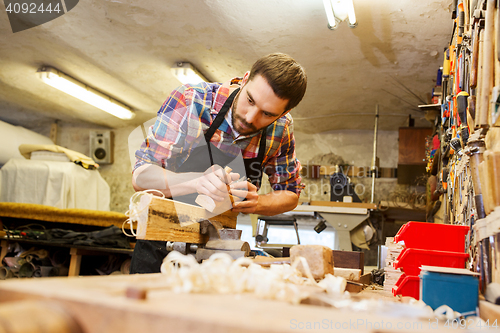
[(263, 224), (342, 219)]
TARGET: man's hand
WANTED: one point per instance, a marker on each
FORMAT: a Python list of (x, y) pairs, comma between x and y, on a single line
[(244, 190), (214, 182)]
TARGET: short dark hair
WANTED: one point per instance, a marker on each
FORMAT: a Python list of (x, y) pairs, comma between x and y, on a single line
[(286, 77)]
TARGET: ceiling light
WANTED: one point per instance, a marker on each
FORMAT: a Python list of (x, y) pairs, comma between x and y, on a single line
[(85, 93), (186, 73), (338, 11)]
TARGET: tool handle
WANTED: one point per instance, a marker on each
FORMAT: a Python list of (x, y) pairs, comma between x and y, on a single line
[(446, 63), (487, 66), (461, 23), (475, 56), (462, 106)]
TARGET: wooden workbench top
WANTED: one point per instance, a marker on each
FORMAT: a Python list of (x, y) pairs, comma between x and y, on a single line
[(68, 215), (98, 304)]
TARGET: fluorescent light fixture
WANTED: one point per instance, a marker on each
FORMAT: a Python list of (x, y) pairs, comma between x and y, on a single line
[(186, 73), (72, 87), (338, 11), (332, 22)]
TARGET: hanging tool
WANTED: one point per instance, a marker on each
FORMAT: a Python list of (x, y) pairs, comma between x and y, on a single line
[(478, 25), (374, 160), (487, 66), (462, 114)]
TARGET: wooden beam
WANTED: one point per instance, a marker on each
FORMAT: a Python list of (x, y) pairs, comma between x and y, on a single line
[(169, 220)]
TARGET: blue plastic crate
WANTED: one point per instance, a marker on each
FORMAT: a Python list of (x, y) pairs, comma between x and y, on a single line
[(459, 292)]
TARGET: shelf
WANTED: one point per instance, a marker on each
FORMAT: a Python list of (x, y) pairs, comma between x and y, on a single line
[(402, 211)]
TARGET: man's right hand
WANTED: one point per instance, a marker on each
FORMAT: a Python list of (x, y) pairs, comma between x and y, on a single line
[(214, 181)]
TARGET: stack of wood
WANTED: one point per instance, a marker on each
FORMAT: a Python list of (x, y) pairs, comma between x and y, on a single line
[(391, 274)]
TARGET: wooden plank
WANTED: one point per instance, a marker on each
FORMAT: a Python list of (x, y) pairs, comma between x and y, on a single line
[(53, 214), (165, 217), (349, 259), (75, 262), (344, 204)]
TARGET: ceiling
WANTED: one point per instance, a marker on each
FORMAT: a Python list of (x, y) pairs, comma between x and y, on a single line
[(125, 48)]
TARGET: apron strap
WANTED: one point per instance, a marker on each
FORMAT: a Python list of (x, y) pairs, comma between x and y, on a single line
[(220, 116), (262, 145), (218, 121)]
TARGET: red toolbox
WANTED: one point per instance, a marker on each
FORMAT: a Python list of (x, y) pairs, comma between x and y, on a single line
[(410, 260), (432, 236), (407, 285)]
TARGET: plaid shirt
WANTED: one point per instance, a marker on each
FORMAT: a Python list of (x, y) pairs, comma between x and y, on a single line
[(187, 114)]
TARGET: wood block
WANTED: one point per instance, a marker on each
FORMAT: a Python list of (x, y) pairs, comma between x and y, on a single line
[(354, 287), (366, 278), (489, 311), (319, 258), (348, 273), (349, 259), (164, 217)]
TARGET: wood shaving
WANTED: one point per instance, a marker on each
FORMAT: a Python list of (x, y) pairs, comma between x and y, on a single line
[(221, 274)]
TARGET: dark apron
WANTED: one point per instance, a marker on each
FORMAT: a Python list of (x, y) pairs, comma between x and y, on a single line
[(148, 255)]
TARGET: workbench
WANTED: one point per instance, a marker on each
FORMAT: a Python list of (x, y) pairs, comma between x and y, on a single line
[(18, 214), (99, 304)]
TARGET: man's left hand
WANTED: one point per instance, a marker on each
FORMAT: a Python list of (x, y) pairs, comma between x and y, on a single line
[(244, 190)]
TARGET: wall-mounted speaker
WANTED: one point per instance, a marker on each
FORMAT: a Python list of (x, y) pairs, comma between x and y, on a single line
[(101, 146)]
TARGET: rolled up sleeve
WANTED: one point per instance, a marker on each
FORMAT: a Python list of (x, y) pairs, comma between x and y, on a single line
[(283, 169)]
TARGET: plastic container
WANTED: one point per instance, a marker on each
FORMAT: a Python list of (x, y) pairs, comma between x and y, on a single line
[(431, 236), (407, 285), (410, 260), (459, 292)]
